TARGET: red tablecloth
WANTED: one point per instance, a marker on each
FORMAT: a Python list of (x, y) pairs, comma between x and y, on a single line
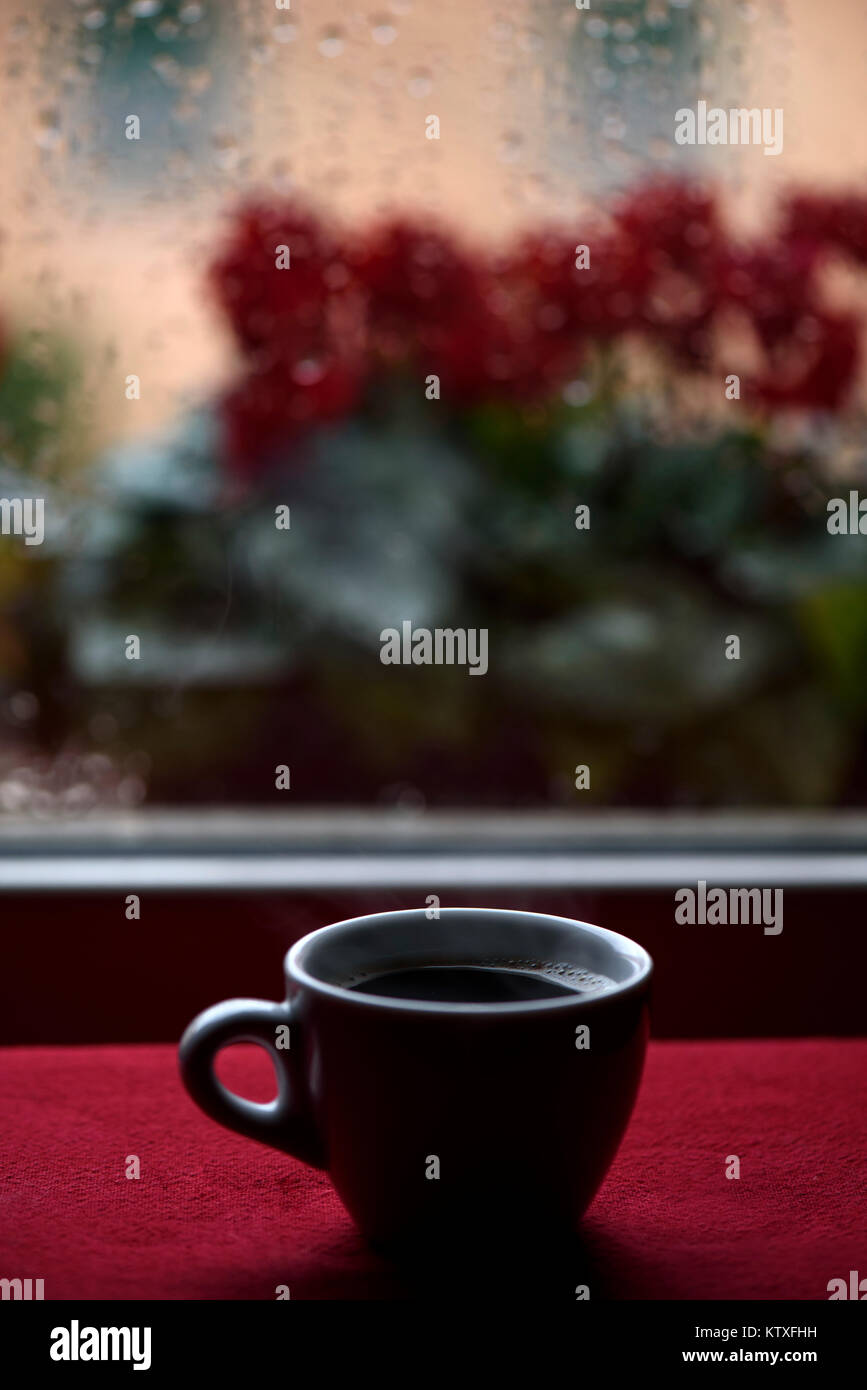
[(216, 1216)]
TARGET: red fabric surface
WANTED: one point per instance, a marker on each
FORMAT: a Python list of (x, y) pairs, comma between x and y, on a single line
[(216, 1216)]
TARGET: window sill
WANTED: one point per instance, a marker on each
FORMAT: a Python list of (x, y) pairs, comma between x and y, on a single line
[(264, 851)]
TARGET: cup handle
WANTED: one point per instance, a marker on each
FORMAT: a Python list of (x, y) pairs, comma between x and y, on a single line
[(283, 1123)]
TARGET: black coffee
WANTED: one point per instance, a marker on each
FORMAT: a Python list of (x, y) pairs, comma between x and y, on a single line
[(480, 984)]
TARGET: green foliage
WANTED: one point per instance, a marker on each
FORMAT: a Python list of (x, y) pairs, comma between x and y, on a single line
[(835, 622), (607, 645), (40, 430)]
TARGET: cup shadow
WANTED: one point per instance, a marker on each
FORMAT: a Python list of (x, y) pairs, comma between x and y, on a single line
[(598, 1265), (500, 1265)]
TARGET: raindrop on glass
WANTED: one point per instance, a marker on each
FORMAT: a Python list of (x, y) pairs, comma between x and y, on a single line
[(227, 151), (331, 43), (510, 147), (420, 83), (604, 78), (198, 80), (48, 133), (167, 68), (23, 706), (383, 31), (657, 17), (530, 41)]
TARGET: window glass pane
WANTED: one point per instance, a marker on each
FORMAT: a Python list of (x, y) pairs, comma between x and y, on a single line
[(446, 404)]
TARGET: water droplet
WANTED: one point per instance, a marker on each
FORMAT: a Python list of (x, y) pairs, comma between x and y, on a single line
[(145, 9), (510, 147), (596, 28), (167, 68), (535, 188), (420, 83), (198, 80), (48, 133), (331, 43), (281, 177), (131, 791), (383, 31), (661, 148), (657, 16), (185, 111), (577, 393), (23, 706), (227, 151), (307, 372), (550, 318), (94, 19), (530, 41), (285, 33), (191, 13)]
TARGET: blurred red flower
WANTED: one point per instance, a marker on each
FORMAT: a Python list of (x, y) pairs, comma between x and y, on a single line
[(517, 325), (838, 220), (297, 325), (815, 368)]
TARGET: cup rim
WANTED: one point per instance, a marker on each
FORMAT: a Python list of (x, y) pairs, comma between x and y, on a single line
[(624, 946)]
